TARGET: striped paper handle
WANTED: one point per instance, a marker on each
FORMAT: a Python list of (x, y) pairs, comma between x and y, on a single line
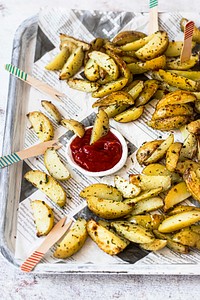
[(187, 43), (153, 3), (32, 261), (188, 31), (153, 16), (16, 72), (9, 160)]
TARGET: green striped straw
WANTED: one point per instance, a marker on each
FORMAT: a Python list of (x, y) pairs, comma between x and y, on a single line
[(153, 3), (9, 160), (16, 71)]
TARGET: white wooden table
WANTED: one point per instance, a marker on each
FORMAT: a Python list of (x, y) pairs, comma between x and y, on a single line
[(16, 285)]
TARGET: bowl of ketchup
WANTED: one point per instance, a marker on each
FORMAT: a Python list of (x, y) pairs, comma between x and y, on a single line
[(104, 157)]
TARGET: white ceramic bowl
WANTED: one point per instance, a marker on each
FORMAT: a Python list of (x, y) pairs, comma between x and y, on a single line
[(117, 167)]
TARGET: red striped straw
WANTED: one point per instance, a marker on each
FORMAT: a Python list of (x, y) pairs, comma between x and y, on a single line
[(187, 43)]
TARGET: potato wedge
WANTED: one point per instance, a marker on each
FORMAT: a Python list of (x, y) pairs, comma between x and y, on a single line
[(67, 39), (54, 165), (132, 232), (73, 64), (139, 67), (193, 183), (128, 36), (175, 47), (91, 70), (179, 221), (172, 110), (176, 194), (186, 237), (104, 61), (137, 44), (107, 241), (124, 70), (182, 208), (182, 166), (74, 125), (43, 217), (150, 87), (160, 151), (172, 156), (147, 205), (59, 60), (136, 89), (189, 149), (108, 209), (52, 110), (150, 222), (82, 85), (161, 170), (169, 123), (174, 246), (176, 97), (41, 125), (102, 190), (110, 87), (136, 67), (175, 63), (127, 189), (97, 43), (156, 245), (73, 240), (115, 98), (144, 195), (196, 32), (179, 81), (129, 115), (155, 47), (195, 228), (48, 185), (146, 150), (194, 127), (146, 182), (194, 75), (115, 109), (101, 126)]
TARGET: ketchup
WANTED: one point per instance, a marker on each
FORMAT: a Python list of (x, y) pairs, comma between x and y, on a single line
[(103, 155)]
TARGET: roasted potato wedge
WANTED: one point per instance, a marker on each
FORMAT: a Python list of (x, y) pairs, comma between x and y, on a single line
[(147, 205), (59, 60), (67, 40), (52, 110), (132, 232), (189, 149), (175, 63), (179, 81), (146, 182), (136, 89), (194, 75), (187, 237), (82, 85), (160, 151), (156, 245), (128, 36), (144, 195), (155, 47), (43, 217), (116, 98), (104, 61), (196, 32), (176, 194), (137, 44), (102, 190), (101, 126), (193, 183), (182, 166), (127, 189), (138, 67), (115, 109), (172, 110), (172, 156), (108, 209), (177, 97), (177, 247), (161, 170), (41, 125), (54, 165), (146, 150), (129, 115), (91, 70), (107, 241), (175, 47), (48, 185), (77, 127), (169, 123), (179, 221), (150, 222), (124, 70), (73, 64), (182, 208), (73, 240), (150, 87), (110, 87), (194, 127), (195, 228)]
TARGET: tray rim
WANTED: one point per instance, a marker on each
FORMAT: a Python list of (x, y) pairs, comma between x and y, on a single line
[(63, 268)]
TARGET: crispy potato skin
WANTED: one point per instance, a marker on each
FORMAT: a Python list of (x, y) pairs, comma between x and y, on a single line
[(43, 217)]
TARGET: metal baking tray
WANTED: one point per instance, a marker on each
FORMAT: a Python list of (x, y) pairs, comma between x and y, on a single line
[(23, 56)]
